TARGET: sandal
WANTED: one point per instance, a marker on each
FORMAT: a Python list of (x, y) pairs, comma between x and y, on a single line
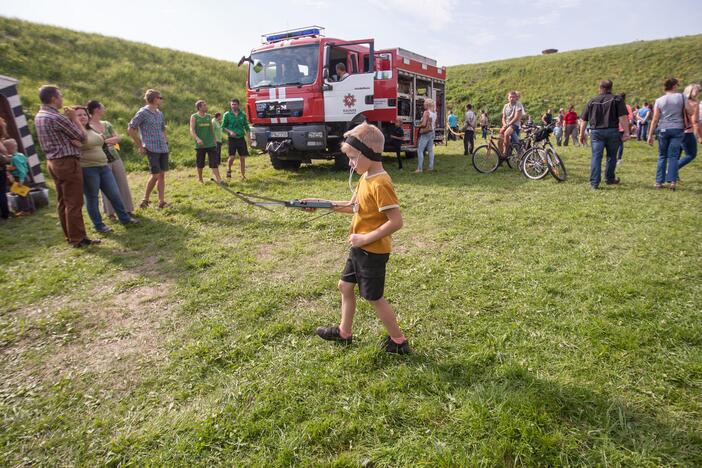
[(163, 204), (229, 174), (672, 186), (144, 203), (658, 186)]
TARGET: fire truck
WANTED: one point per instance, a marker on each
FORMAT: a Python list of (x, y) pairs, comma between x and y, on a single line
[(299, 105)]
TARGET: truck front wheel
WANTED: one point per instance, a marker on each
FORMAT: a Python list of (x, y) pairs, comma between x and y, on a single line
[(280, 164), (341, 162)]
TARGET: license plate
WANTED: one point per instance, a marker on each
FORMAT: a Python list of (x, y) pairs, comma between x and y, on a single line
[(279, 134)]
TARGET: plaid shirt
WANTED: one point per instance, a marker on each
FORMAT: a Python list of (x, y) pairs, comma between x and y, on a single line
[(151, 127), (55, 132)]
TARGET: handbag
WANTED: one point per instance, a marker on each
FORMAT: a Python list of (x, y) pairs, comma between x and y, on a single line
[(106, 150)]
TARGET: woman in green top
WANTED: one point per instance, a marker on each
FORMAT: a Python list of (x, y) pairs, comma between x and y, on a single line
[(202, 130), (97, 113), (97, 176)]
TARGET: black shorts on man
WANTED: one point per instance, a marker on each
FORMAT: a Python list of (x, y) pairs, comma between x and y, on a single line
[(237, 145), (212, 157), (367, 269), (158, 162)]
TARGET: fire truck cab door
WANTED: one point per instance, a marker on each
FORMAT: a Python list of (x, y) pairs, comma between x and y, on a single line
[(353, 94)]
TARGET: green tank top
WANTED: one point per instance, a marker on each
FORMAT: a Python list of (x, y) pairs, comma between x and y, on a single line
[(204, 131)]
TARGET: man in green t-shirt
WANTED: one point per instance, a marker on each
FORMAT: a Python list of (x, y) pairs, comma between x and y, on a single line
[(236, 126), (202, 131)]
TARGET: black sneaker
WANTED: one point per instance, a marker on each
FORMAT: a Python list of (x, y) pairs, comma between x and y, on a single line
[(87, 242), (614, 181), (332, 334), (391, 347), (131, 221)]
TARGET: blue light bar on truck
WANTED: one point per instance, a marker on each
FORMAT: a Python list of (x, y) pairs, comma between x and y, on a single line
[(292, 34)]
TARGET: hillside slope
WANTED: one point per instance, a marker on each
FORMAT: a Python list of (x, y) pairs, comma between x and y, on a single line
[(558, 80)]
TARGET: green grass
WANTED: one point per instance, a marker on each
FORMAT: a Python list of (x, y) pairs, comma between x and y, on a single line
[(552, 325)]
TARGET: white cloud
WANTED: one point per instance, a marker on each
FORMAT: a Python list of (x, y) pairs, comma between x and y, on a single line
[(436, 13)]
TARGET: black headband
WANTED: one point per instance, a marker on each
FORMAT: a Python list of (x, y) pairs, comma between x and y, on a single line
[(360, 146)]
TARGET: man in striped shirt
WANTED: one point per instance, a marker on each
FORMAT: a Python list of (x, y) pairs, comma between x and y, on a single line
[(60, 137)]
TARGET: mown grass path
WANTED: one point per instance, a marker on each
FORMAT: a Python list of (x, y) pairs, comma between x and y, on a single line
[(551, 325)]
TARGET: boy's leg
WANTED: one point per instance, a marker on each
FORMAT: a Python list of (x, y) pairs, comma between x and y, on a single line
[(242, 166), (348, 307), (387, 316)]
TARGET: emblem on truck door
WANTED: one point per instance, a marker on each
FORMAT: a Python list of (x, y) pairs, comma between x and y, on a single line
[(349, 100)]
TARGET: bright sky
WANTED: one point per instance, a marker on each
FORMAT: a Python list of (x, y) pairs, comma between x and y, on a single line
[(451, 31)]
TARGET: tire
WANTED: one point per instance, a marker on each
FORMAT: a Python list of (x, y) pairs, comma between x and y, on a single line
[(341, 162), (556, 166), (515, 157), (278, 164), (485, 159), (285, 164), (534, 164)]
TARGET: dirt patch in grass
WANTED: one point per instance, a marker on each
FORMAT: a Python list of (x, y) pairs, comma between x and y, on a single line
[(112, 333)]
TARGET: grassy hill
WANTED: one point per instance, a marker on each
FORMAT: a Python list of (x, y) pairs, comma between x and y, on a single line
[(117, 72), (561, 79)]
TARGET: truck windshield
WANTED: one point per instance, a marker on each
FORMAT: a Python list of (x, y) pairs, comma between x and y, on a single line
[(286, 65)]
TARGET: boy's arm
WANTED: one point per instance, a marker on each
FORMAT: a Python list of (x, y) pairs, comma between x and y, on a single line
[(393, 224), (192, 131)]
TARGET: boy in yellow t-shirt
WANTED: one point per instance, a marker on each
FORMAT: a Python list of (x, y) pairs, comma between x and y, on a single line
[(376, 215)]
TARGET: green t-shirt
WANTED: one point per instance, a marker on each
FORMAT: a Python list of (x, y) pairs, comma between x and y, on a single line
[(217, 126), (236, 123), (204, 130)]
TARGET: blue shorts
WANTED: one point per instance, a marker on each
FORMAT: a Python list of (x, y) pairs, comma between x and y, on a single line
[(515, 134)]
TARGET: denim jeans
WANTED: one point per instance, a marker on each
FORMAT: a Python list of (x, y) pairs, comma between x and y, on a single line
[(601, 139), (620, 150), (643, 131), (689, 145), (669, 142), (484, 130), (426, 142), (96, 179)]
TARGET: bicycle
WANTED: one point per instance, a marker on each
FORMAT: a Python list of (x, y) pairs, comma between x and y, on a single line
[(542, 158), (487, 158)]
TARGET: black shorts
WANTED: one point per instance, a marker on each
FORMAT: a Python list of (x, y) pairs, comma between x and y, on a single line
[(237, 144), (367, 269), (212, 157), (158, 162)]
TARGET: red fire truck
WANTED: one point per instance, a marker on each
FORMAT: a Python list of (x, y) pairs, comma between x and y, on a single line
[(299, 107)]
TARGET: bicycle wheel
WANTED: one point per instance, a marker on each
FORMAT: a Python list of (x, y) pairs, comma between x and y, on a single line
[(515, 156), (556, 166), (535, 165), (485, 159)]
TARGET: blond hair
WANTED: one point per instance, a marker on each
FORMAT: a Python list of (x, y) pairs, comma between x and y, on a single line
[(369, 135), (10, 142), (692, 91), (430, 103)]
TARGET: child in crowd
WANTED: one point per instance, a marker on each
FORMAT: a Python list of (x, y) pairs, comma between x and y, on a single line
[(376, 216), (19, 169)]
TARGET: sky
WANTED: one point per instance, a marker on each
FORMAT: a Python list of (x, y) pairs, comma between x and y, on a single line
[(451, 31)]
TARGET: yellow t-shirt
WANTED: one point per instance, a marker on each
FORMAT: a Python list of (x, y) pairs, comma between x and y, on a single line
[(375, 194)]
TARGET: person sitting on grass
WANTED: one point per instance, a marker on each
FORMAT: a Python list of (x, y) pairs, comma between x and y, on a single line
[(376, 216), (19, 169)]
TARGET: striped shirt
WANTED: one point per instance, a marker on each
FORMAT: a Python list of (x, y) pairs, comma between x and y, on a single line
[(151, 128), (55, 132)]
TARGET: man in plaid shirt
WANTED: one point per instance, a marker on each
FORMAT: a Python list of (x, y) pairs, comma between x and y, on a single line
[(60, 137), (148, 129)]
